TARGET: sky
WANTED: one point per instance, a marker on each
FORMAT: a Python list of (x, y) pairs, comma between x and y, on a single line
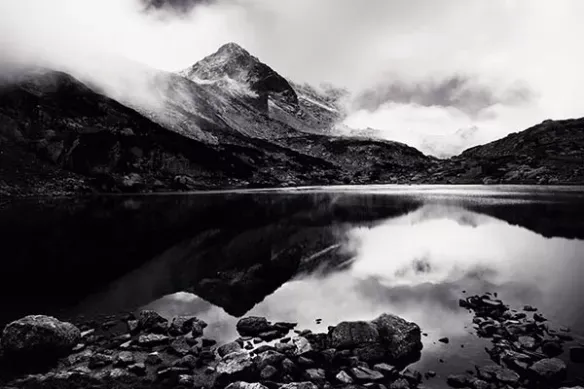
[(439, 75)]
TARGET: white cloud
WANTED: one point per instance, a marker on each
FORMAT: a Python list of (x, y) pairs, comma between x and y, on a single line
[(347, 42)]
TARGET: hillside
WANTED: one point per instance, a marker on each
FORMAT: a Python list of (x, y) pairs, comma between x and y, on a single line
[(231, 121)]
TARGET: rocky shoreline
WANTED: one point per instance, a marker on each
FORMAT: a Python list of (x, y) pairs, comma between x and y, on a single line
[(145, 350)]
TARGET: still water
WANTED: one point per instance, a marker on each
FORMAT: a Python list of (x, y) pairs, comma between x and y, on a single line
[(343, 253)]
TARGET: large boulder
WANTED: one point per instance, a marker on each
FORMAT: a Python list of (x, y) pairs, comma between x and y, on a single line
[(253, 326), (403, 339), (39, 338), (388, 338), (353, 334)]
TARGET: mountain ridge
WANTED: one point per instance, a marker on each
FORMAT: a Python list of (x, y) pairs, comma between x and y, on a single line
[(236, 123)]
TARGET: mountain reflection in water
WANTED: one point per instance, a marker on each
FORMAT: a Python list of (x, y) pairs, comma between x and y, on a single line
[(330, 254)]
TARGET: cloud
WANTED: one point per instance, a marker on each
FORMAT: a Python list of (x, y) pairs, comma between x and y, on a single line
[(178, 7), (436, 68)]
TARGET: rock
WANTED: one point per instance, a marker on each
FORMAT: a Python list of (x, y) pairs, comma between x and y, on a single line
[(208, 342), (353, 334), (124, 358), (302, 345), (529, 308), (401, 383), (181, 325), (253, 326), (457, 381), (153, 359), (228, 348), (198, 329), (270, 357), (118, 373), (386, 370), (315, 375), (268, 373), (527, 342), (444, 340), (551, 348), (138, 368), (305, 361), (284, 348), (99, 360), (402, 338), (498, 373), (39, 338), (235, 364), (288, 366), (370, 353), (151, 340), (270, 335), (186, 380), (577, 354), (366, 374), (413, 376), (549, 370), (245, 385), (299, 385), (186, 361), (151, 321), (476, 383), (539, 317), (180, 347), (169, 372), (344, 378)]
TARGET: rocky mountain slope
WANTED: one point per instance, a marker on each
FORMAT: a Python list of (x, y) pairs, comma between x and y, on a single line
[(548, 153), (232, 121)]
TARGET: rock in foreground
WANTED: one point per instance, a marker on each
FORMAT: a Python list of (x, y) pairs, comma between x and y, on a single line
[(39, 338)]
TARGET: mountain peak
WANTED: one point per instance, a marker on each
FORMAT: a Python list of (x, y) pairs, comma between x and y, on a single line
[(233, 62)]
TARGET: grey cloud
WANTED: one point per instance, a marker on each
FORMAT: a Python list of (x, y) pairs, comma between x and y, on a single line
[(457, 91), (176, 6)]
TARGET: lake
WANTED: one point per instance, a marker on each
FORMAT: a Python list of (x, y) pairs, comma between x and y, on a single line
[(301, 254)]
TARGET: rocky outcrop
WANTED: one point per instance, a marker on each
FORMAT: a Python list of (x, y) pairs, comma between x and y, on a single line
[(38, 339)]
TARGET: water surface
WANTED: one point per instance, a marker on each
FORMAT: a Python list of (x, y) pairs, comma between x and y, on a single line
[(342, 253)]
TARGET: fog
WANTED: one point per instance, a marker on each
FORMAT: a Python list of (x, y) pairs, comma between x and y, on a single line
[(515, 62)]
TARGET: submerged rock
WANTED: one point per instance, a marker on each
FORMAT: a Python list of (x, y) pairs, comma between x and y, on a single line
[(39, 338)]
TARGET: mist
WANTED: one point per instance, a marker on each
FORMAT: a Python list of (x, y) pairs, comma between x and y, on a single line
[(439, 76)]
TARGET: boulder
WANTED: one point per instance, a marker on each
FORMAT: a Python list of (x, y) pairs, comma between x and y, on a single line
[(253, 326), (181, 325), (237, 364), (151, 321), (39, 338), (402, 338), (550, 370), (228, 348), (353, 334)]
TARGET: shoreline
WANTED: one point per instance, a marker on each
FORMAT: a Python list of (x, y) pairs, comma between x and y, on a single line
[(148, 351)]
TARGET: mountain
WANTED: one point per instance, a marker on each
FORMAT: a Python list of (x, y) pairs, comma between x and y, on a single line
[(548, 153), (231, 121)]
